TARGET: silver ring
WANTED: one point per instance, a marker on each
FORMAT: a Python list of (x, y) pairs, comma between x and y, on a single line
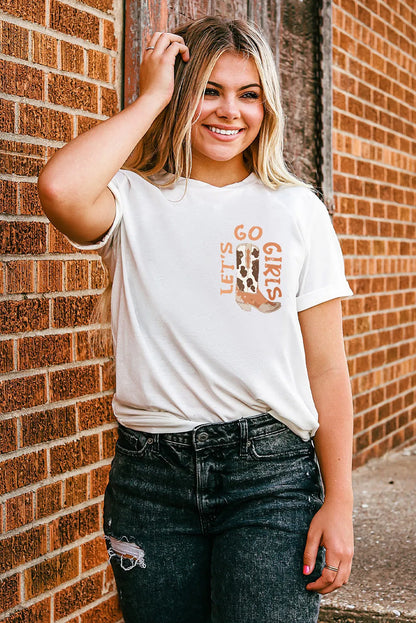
[(336, 569), (152, 47)]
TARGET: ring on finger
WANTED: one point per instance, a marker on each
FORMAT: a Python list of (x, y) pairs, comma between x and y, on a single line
[(151, 47), (331, 568)]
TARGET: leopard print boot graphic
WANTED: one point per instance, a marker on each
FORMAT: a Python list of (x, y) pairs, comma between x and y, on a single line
[(247, 293)]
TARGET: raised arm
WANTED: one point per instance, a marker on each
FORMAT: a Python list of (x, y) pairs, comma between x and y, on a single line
[(73, 185), (328, 375)]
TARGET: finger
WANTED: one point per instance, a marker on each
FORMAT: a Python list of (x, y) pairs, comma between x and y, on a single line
[(330, 580), (310, 552), (153, 39), (165, 39), (177, 48)]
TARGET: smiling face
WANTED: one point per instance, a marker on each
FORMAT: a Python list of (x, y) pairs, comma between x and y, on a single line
[(227, 121)]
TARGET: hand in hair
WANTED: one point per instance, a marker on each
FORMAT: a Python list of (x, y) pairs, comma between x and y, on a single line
[(158, 64), (73, 185)]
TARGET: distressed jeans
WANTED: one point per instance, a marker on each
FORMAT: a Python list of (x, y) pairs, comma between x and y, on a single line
[(209, 525)]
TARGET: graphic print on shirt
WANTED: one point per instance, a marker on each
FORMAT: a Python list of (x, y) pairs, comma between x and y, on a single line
[(244, 277)]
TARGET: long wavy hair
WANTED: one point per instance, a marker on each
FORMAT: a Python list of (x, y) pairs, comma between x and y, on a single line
[(166, 146)]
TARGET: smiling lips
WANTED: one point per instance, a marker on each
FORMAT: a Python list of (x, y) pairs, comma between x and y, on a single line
[(222, 131)]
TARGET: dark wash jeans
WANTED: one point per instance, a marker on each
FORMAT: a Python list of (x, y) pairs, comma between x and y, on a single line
[(209, 526)]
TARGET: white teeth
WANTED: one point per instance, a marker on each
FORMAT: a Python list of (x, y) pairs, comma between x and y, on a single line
[(218, 131)]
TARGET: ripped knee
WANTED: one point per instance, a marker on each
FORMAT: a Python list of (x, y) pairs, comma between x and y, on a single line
[(129, 554)]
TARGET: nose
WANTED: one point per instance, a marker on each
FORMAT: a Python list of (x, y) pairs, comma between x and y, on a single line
[(228, 108)]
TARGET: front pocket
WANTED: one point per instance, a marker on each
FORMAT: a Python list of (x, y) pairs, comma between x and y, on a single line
[(280, 443), (133, 443)]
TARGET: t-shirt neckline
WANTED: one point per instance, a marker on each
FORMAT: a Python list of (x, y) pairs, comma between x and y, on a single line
[(251, 177)]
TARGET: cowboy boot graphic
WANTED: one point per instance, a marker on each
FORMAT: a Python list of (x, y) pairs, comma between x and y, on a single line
[(247, 293)]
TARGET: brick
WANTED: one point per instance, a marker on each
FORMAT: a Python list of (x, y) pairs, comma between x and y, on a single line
[(15, 40), (72, 21), (72, 57), (45, 123), (50, 573), (49, 276), (7, 112), (93, 554), (74, 454), (44, 49), (21, 471), (31, 10), (99, 480), (73, 382), (20, 278), (9, 592), (29, 199), (8, 197), (76, 275), (108, 376), (68, 528), (23, 237), (107, 611), (45, 350), (39, 612), (22, 80), (22, 393), (86, 123), (73, 311), (99, 275), (78, 595), (48, 500), (101, 5), (19, 511), (109, 102), (22, 165), (93, 344), (22, 548), (6, 356), (98, 65), (76, 490), (109, 442), (58, 243), (8, 435), (77, 94), (109, 37), (43, 426), (93, 413), (26, 148)]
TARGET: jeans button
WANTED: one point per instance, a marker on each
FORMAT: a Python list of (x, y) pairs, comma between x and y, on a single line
[(202, 436)]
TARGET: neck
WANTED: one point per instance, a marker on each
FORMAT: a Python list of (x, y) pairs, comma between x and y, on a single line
[(218, 173)]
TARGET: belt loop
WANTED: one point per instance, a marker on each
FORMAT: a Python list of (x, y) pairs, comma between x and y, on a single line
[(243, 436), (156, 441)]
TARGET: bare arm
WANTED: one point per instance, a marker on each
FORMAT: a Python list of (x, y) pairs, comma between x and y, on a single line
[(328, 375), (73, 185)]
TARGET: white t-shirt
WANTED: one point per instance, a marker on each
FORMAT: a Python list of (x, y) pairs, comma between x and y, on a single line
[(207, 286)]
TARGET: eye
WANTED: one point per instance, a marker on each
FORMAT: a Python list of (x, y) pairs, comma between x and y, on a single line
[(209, 91), (250, 95)]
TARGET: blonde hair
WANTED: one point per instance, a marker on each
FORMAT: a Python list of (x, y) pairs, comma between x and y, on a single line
[(166, 146)]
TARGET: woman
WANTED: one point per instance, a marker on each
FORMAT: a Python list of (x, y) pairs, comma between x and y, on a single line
[(226, 317)]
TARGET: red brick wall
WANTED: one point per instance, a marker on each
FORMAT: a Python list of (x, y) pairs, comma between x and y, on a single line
[(60, 75), (374, 89)]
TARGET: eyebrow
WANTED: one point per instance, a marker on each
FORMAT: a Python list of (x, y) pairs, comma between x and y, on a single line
[(247, 86)]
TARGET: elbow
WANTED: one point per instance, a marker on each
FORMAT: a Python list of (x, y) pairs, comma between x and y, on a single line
[(48, 193), (53, 198)]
